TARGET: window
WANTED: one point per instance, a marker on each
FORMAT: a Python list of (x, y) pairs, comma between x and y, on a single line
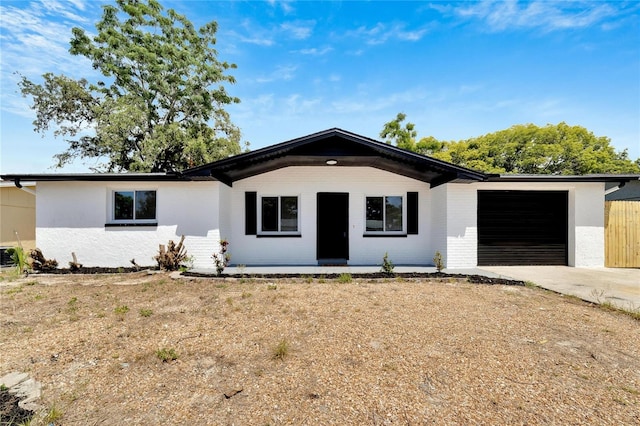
[(133, 206), (279, 214), (384, 214)]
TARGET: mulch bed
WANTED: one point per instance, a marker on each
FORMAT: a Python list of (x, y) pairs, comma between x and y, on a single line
[(10, 413), (95, 270), (475, 279)]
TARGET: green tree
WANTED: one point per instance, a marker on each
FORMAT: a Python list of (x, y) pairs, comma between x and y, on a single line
[(404, 136), (161, 104), (528, 149)]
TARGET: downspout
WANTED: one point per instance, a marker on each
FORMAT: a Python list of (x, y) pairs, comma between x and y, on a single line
[(27, 190), (614, 189)]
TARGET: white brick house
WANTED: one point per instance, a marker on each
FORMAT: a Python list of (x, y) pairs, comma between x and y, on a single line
[(330, 197)]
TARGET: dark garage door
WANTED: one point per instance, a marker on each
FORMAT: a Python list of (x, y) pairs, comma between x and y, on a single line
[(522, 227)]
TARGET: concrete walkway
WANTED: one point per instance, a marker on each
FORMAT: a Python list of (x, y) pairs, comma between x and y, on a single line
[(618, 286)]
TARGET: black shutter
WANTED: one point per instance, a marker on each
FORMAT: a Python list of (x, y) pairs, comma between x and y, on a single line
[(412, 212), (250, 213)]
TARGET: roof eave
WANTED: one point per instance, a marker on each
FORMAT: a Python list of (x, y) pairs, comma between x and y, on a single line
[(563, 178), (95, 177)]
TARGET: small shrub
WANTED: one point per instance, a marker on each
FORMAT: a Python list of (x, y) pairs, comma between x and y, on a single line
[(387, 264), (246, 295), (121, 309), (166, 355), (281, 350), (438, 261), (171, 257), (146, 313), (53, 415), (222, 258), (344, 278), (19, 259), (241, 269), (272, 286), (72, 305)]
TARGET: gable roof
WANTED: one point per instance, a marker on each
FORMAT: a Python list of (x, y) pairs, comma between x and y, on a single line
[(346, 148)]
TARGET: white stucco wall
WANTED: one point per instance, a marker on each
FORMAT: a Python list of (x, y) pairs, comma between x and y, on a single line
[(306, 182), (71, 217), (585, 221), (454, 224)]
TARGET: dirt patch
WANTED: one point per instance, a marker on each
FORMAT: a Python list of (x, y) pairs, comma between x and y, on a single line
[(146, 349)]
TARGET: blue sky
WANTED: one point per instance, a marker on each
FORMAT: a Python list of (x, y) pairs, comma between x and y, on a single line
[(457, 69)]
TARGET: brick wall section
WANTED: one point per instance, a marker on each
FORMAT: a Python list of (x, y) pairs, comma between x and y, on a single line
[(71, 217)]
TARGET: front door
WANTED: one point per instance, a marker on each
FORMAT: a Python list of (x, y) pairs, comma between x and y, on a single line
[(333, 228)]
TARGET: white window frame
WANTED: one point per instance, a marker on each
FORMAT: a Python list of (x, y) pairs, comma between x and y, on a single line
[(112, 207), (279, 231), (403, 231)]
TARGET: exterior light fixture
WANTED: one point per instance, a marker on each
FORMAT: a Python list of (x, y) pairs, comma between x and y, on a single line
[(332, 162)]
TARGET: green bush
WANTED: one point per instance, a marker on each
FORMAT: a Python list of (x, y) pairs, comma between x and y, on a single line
[(166, 355), (438, 261), (387, 264), (19, 259)]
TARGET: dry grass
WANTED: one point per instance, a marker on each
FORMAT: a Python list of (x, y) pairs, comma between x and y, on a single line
[(381, 352)]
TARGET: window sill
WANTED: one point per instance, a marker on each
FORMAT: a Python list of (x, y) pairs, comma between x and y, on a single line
[(117, 225), (384, 236), (279, 236)]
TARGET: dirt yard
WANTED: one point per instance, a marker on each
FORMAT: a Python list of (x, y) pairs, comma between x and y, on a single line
[(314, 351)]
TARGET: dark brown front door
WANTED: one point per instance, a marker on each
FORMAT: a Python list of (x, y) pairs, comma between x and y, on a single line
[(333, 227)]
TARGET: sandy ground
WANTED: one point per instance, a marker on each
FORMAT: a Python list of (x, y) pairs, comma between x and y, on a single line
[(260, 352)]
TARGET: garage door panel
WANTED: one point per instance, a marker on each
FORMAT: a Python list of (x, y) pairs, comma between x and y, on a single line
[(522, 227)]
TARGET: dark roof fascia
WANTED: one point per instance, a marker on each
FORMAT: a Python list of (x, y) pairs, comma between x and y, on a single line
[(269, 151), (96, 177), (380, 147), (564, 178)]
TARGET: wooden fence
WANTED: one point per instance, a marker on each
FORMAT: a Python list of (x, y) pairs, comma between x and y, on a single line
[(622, 234)]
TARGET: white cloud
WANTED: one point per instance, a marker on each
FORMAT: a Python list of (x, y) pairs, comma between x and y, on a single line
[(282, 72), (63, 9), (314, 51), (545, 15), (35, 40), (285, 5), (381, 33), (257, 40), (360, 102), (297, 104), (254, 33), (299, 30)]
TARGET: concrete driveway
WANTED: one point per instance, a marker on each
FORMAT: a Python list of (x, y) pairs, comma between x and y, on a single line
[(616, 285)]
